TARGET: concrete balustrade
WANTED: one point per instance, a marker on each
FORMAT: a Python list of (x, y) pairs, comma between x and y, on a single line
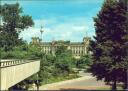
[(14, 71), (13, 62)]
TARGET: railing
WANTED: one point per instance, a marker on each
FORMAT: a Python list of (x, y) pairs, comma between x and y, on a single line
[(8, 63)]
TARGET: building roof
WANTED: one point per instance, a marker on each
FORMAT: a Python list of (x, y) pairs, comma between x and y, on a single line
[(76, 43), (60, 43)]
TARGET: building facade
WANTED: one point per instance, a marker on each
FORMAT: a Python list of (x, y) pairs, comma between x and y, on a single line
[(77, 48)]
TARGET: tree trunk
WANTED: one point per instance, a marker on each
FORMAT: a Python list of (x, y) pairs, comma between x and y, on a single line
[(125, 86), (126, 82), (114, 86)]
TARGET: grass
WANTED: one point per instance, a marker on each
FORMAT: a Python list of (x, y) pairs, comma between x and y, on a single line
[(60, 78), (57, 79)]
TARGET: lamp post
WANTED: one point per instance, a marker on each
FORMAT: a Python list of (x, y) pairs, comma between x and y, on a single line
[(37, 82)]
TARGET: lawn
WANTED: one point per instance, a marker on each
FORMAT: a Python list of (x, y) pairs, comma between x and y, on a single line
[(60, 78)]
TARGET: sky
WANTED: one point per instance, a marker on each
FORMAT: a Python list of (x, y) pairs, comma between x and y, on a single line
[(61, 19)]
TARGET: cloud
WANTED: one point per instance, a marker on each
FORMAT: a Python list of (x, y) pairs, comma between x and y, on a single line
[(61, 19), (70, 29), (27, 34)]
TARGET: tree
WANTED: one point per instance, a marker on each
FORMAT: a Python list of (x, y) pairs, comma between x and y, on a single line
[(109, 56), (46, 67), (84, 61), (13, 23), (64, 58)]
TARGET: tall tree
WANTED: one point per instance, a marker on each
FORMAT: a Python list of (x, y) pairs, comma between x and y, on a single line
[(13, 22), (109, 56)]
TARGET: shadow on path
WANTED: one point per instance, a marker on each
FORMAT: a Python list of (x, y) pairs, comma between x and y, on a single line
[(80, 90)]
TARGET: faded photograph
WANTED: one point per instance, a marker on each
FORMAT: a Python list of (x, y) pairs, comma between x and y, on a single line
[(64, 45)]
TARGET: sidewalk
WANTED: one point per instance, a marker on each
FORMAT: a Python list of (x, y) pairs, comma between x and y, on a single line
[(86, 82), (54, 86)]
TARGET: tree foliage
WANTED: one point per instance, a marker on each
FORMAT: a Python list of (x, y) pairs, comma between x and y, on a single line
[(51, 66), (84, 61), (109, 56), (63, 60), (24, 51), (13, 22)]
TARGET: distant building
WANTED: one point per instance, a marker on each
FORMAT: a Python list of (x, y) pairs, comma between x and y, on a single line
[(36, 40), (77, 48)]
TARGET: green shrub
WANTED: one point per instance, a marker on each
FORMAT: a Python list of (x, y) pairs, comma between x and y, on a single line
[(84, 62), (22, 52)]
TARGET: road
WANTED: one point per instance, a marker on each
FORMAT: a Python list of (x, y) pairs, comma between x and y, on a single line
[(86, 82)]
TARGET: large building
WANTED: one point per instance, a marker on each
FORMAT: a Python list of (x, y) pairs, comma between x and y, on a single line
[(77, 48)]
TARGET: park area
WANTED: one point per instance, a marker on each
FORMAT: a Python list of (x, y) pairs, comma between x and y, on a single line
[(64, 60)]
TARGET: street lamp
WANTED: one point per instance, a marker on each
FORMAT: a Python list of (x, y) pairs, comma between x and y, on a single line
[(37, 82)]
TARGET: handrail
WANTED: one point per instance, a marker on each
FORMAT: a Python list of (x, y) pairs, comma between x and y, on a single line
[(14, 62)]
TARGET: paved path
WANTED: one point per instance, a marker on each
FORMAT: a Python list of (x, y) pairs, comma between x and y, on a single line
[(86, 82)]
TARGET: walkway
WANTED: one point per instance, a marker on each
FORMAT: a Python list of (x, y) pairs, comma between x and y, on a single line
[(87, 82)]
